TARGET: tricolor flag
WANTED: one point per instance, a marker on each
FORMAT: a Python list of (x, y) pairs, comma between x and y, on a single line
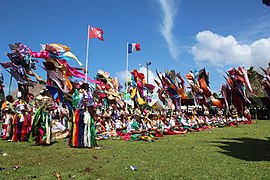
[(96, 33), (133, 47)]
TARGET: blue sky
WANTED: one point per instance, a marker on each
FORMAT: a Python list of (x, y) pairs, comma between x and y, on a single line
[(174, 34)]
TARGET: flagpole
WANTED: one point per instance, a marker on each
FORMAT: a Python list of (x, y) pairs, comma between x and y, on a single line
[(10, 83), (87, 49), (126, 82)]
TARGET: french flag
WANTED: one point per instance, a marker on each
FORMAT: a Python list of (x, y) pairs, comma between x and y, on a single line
[(134, 47)]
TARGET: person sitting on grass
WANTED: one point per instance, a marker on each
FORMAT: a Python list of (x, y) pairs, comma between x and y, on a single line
[(203, 123), (133, 129), (247, 117), (195, 123), (136, 131), (168, 128), (59, 131), (120, 127), (150, 125), (185, 121), (208, 120), (214, 121), (220, 121), (100, 128), (234, 116), (176, 123)]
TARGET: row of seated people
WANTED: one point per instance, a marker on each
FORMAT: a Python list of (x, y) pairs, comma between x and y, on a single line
[(151, 126)]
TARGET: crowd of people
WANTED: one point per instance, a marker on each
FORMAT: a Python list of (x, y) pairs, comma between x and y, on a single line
[(71, 108), (149, 124), (43, 120)]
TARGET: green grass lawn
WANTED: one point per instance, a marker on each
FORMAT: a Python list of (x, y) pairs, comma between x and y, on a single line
[(222, 153)]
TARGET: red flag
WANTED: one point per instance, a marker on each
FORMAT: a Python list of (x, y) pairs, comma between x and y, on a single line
[(96, 33)]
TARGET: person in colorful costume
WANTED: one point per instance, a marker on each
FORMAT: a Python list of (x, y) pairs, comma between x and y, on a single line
[(7, 113), (22, 119), (41, 128), (83, 130), (21, 69)]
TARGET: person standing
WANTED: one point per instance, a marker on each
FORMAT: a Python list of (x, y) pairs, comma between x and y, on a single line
[(8, 113), (42, 123), (22, 120), (83, 131)]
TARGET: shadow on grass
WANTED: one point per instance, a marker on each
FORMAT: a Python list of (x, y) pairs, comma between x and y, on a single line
[(248, 149), (44, 145)]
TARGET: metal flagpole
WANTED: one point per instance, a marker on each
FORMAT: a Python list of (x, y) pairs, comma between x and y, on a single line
[(87, 49), (126, 82), (10, 83)]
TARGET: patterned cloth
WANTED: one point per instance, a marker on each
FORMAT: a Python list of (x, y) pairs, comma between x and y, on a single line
[(6, 130), (8, 115), (41, 128), (83, 125), (42, 123), (21, 127), (21, 121)]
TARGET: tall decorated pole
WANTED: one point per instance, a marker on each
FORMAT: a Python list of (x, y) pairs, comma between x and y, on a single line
[(92, 32), (10, 84), (131, 47), (126, 82), (87, 51)]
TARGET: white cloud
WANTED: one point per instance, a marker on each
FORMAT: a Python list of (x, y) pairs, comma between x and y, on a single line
[(216, 50), (170, 10), (121, 76)]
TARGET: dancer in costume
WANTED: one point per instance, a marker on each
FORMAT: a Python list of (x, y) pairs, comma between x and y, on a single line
[(41, 128), (7, 113), (83, 130), (22, 119)]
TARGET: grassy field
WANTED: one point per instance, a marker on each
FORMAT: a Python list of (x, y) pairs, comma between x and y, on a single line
[(222, 153)]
